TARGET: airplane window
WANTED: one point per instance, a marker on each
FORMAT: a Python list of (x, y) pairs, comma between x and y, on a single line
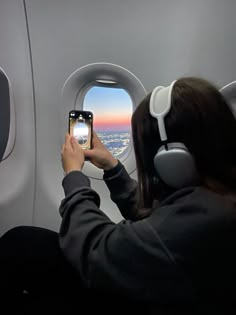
[(112, 109), (5, 117), (112, 93)]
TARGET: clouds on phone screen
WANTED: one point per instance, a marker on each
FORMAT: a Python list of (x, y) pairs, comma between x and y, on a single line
[(81, 132)]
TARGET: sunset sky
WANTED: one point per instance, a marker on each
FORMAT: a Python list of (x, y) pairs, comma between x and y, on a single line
[(111, 107)]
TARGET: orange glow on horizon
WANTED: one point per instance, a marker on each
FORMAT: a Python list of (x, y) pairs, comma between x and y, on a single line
[(112, 126), (114, 122), (125, 120)]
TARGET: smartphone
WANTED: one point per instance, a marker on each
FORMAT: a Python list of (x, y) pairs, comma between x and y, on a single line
[(81, 127)]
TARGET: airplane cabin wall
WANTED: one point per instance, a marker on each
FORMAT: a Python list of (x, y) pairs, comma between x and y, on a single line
[(157, 40), (17, 171)]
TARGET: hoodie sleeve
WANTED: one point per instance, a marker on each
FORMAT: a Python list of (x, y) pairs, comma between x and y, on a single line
[(123, 191), (128, 258)]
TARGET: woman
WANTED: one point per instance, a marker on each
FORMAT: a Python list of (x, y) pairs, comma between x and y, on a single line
[(176, 246)]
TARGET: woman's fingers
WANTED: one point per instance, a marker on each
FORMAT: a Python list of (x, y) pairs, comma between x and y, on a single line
[(67, 141), (75, 145), (96, 140)]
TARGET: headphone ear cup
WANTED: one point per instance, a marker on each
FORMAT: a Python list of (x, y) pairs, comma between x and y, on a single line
[(175, 166)]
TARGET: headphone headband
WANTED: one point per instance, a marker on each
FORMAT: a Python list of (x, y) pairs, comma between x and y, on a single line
[(173, 162), (159, 106)]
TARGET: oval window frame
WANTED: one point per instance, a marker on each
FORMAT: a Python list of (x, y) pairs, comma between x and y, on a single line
[(84, 78), (12, 124)]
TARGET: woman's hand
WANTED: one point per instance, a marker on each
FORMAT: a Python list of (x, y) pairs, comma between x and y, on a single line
[(72, 155), (99, 155)]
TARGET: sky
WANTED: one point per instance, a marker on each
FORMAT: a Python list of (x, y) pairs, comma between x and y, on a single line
[(111, 107)]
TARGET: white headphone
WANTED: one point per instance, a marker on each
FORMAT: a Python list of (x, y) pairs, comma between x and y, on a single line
[(173, 162)]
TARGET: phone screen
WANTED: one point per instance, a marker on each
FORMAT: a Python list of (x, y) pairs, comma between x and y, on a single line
[(80, 127)]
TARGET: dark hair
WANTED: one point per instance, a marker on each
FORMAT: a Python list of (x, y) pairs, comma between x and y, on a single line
[(201, 119)]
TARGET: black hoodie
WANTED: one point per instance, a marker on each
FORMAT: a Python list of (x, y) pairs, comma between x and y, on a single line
[(183, 253)]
